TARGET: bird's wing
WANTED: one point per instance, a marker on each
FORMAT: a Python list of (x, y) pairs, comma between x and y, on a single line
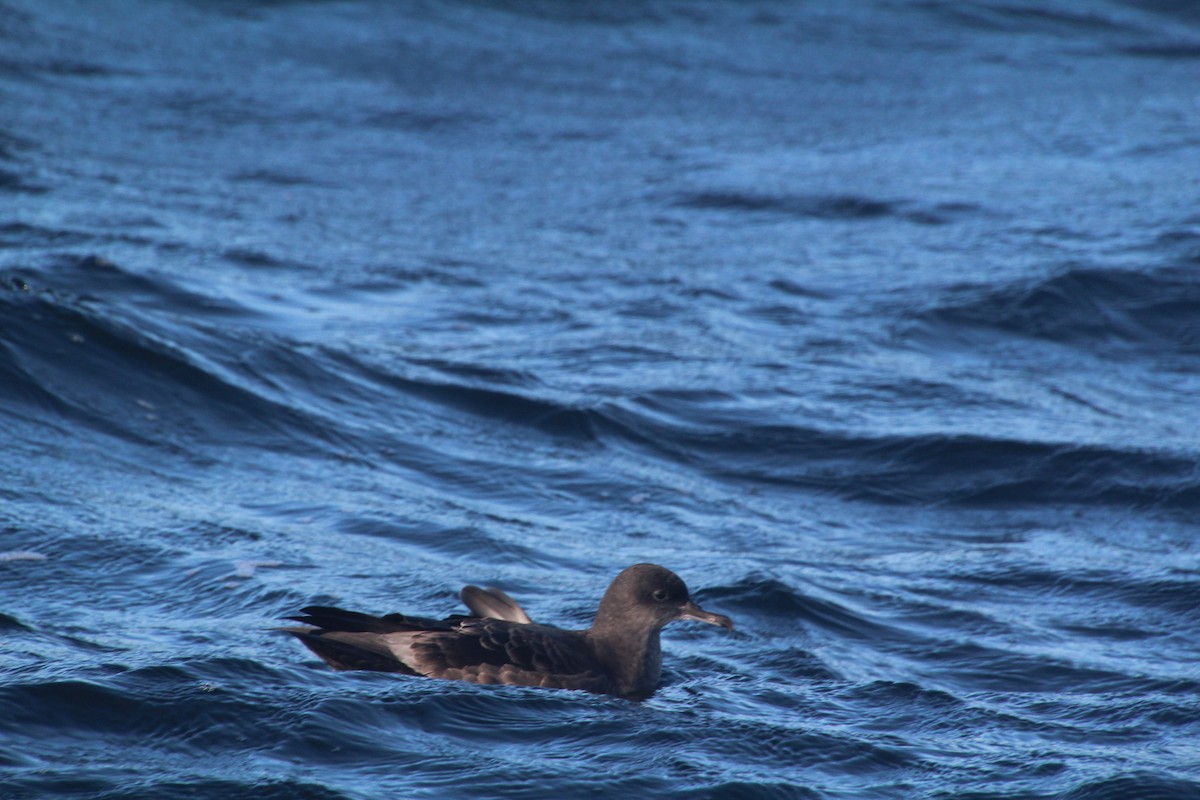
[(353, 640), (494, 604), (328, 618), (499, 651), (351, 650)]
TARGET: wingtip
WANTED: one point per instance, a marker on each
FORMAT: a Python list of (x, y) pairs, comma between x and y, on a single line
[(298, 632), (493, 603)]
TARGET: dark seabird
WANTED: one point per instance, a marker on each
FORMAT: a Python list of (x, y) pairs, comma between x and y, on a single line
[(618, 655)]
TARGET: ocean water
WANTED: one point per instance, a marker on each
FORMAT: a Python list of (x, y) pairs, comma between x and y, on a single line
[(878, 322)]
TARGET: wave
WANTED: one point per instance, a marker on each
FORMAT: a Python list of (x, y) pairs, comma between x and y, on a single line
[(1149, 32), (1002, 17), (1109, 312), (1139, 784), (950, 645), (820, 207), (760, 596), (129, 787), (142, 358), (66, 355), (136, 371), (15, 183), (181, 713), (556, 419), (928, 469), (844, 207)]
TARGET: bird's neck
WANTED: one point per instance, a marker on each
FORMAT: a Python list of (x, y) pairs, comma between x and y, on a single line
[(632, 657)]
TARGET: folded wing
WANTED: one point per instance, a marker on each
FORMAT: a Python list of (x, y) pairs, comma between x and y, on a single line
[(478, 650)]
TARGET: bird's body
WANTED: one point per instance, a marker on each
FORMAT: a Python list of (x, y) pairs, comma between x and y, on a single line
[(619, 654)]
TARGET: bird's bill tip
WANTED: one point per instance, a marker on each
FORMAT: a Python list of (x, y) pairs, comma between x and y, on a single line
[(693, 611)]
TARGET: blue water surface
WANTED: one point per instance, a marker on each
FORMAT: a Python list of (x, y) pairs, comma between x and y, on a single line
[(878, 322)]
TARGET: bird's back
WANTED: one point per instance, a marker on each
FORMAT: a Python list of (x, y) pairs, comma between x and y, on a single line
[(474, 649)]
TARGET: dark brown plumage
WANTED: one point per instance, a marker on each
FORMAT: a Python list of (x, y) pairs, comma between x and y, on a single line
[(619, 654)]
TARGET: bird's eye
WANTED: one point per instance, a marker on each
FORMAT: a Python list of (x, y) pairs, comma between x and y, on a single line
[(660, 594)]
